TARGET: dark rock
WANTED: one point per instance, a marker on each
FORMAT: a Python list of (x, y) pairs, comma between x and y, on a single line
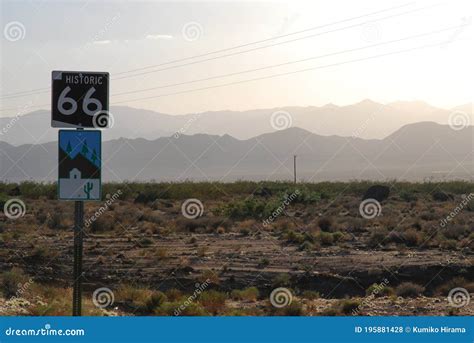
[(14, 191), (441, 196), (144, 198), (377, 192)]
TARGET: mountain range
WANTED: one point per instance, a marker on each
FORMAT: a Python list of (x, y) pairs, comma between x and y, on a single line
[(366, 119), (419, 151)]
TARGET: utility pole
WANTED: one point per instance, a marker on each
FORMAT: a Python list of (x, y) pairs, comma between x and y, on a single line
[(294, 168)]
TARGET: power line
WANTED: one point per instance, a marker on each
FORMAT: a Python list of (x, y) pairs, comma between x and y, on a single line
[(275, 44), (284, 74), (268, 39), (292, 62), (46, 89), (266, 77)]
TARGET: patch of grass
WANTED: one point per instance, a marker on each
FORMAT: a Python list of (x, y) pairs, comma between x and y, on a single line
[(377, 290), (213, 301), (247, 294)]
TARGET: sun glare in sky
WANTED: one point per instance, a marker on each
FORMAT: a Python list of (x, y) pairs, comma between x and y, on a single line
[(184, 57)]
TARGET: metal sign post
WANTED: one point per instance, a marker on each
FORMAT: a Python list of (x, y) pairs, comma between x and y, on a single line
[(79, 100), (78, 244)]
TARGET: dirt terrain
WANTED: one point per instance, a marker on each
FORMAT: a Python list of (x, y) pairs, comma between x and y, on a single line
[(322, 246)]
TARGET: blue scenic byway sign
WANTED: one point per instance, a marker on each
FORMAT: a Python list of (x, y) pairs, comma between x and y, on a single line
[(79, 168)]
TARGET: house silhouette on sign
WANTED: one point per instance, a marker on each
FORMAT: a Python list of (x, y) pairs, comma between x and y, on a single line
[(75, 174)]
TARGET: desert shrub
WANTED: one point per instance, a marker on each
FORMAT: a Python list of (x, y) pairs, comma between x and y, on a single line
[(11, 281), (448, 244), (428, 216), (303, 195), (145, 241), (141, 299), (342, 307), (55, 221), (40, 253), (408, 196), (456, 231), (470, 205), (102, 223), (180, 308), (293, 309), (248, 294), (347, 306), (325, 223), (3, 199), (281, 280), (294, 237), (209, 276), (377, 237), (355, 224), (173, 294), (326, 238), (156, 299), (409, 290), (161, 253), (379, 290), (330, 311), (57, 303), (455, 282), (412, 237), (306, 246), (213, 301)]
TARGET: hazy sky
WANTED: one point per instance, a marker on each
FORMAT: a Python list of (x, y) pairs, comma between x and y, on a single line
[(119, 36)]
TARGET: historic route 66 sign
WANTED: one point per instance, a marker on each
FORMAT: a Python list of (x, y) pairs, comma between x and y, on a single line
[(80, 99)]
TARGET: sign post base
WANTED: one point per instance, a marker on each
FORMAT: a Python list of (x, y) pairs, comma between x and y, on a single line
[(78, 244)]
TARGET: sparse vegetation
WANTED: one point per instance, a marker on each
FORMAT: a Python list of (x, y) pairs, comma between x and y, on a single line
[(144, 239)]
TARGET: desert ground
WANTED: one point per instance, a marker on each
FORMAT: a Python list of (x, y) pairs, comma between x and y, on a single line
[(226, 248)]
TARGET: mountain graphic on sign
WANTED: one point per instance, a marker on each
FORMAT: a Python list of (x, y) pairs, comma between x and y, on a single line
[(85, 161)]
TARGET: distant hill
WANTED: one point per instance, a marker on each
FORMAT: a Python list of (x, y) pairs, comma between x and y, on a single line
[(366, 119), (417, 151)]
